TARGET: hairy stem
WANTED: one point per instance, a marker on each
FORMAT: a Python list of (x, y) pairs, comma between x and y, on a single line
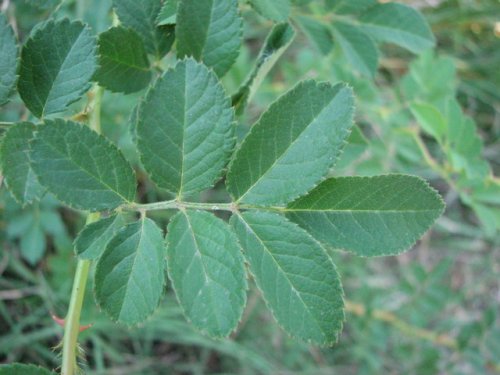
[(72, 321)]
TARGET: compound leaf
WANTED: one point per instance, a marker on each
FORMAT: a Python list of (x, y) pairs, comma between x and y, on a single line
[(185, 129), (130, 275), (358, 47), (16, 168), (57, 63), (210, 31), (141, 15), (207, 271), (278, 40), (399, 24), (301, 134), (369, 216), (277, 10), (94, 237), (8, 62), (123, 63), (80, 167), (297, 278)]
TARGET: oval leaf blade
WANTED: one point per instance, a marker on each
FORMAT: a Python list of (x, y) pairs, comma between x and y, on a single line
[(297, 278), (210, 31), (358, 47), (80, 167), (123, 63), (16, 167), (301, 134), (369, 216), (57, 64), (94, 237), (129, 276), (207, 271), (185, 129), (399, 24), (8, 62)]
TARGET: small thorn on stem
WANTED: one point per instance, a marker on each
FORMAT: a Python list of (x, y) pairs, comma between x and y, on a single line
[(61, 322)]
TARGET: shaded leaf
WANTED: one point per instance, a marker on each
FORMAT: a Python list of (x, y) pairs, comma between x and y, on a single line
[(9, 61), (210, 31), (370, 216), (399, 24), (129, 276), (277, 41), (94, 237), (297, 278), (57, 63), (318, 32), (16, 168), (276, 10), (207, 271), (141, 15), (301, 134), (185, 129), (123, 63), (358, 47), (80, 167)]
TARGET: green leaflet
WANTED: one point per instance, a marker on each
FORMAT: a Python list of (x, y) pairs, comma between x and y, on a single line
[(57, 63), (129, 276), (297, 278), (94, 237), (301, 134), (358, 47), (465, 150), (370, 216), (399, 24), (23, 369), (8, 62), (16, 168), (207, 271), (185, 129), (349, 6), (123, 63), (277, 41), (210, 31), (141, 15), (318, 32), (430, 119), (168, 13), (80, 167), (276, 10)]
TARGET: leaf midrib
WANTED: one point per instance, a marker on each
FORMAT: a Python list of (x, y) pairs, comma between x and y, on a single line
[(86, 171), (60, 69), (285, 151)]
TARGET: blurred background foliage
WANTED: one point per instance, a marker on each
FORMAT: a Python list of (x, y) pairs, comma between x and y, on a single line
[(433, 310)]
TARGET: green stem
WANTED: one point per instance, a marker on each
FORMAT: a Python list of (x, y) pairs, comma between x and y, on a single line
[(176, 205), (72, 321)]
